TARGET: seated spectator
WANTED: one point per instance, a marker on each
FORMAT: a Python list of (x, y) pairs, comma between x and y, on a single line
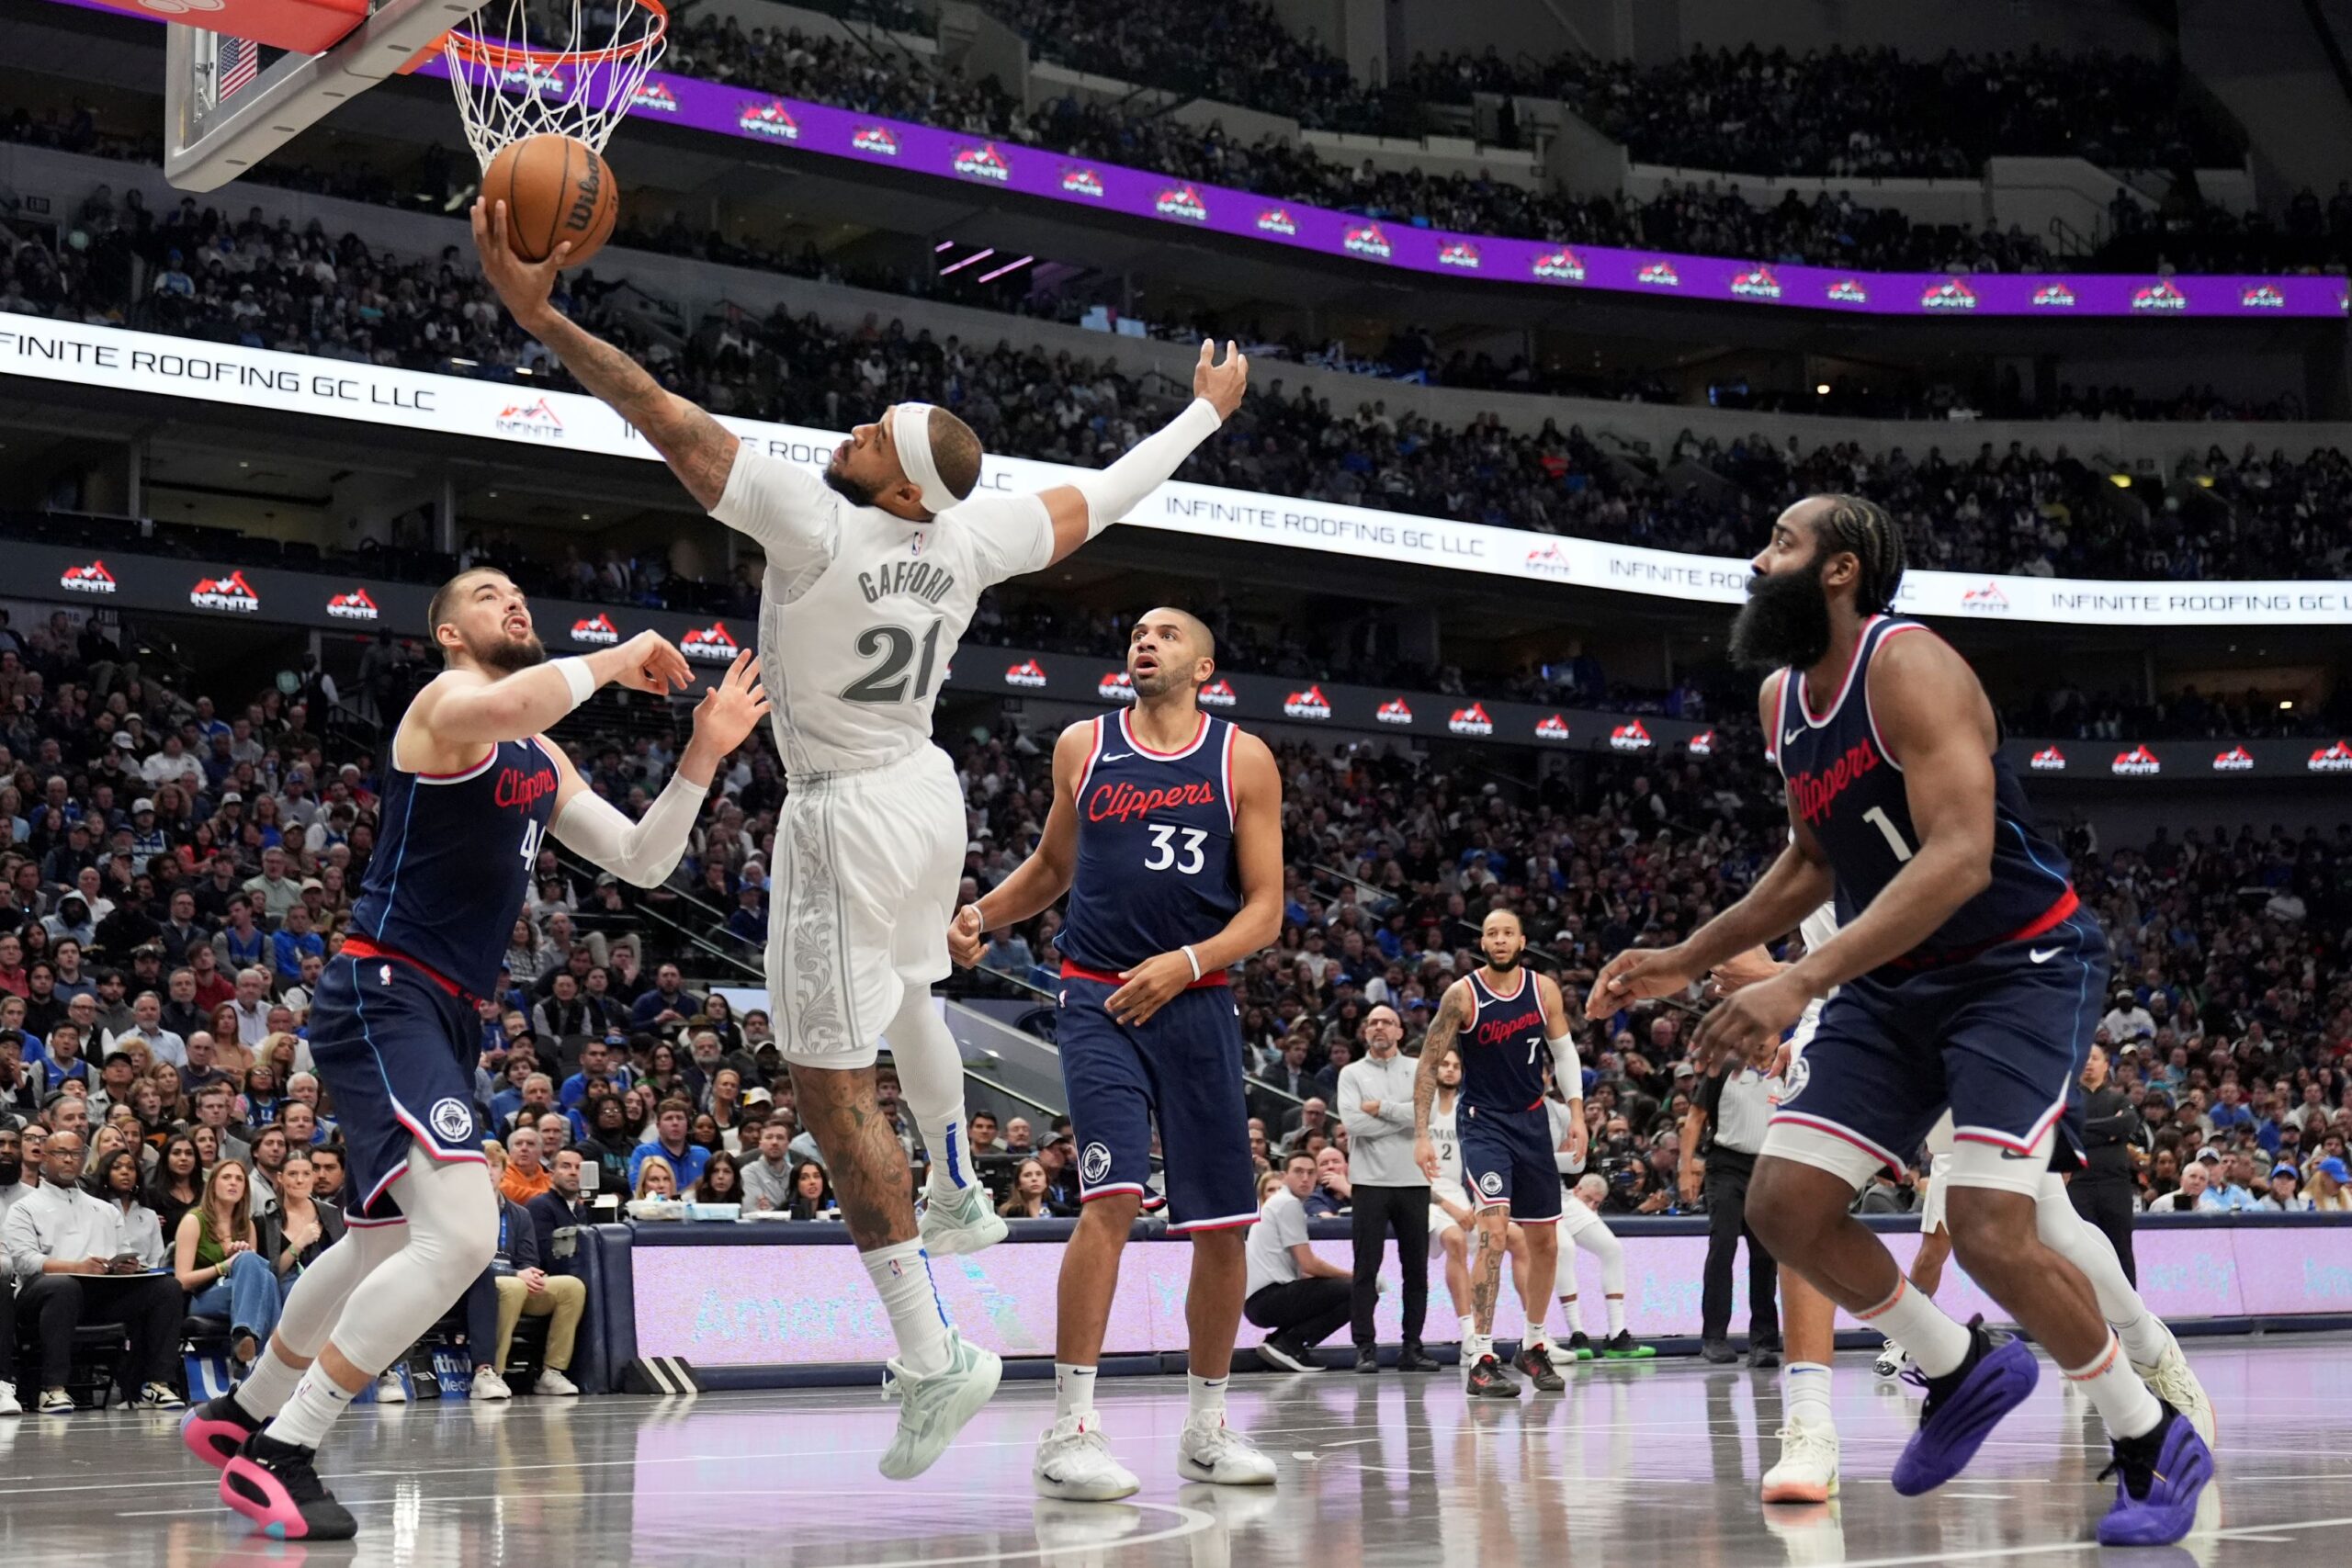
[(514, 1284), (177, 1184), (813, 1193), (723, 1181), (668, 1002), (304, 1225), (768, 1176), (218, 1260), (2284, 1196), (671, 1143), (527, 1174), (2326, 1187), (1298, 1296), (558, 1213), (118, 1180), (65, 1246), (655, 1179), (1027, 1199), (2190, 1196), (1333, 1192)]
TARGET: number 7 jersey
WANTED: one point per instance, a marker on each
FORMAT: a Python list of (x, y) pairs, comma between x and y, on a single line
[(1156, 867), (861, 610)]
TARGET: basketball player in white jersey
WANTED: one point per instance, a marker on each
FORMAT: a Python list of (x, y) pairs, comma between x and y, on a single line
[(873, 574), (1807, 1471), (1452, 1217), (1582, 1228)]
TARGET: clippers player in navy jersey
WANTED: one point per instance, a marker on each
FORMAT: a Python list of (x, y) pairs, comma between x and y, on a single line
[(1965, 975), (1503, 1020), (1166, 832), (472, 788)]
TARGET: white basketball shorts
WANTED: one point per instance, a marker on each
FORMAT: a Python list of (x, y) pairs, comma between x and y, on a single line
[(866, 868)]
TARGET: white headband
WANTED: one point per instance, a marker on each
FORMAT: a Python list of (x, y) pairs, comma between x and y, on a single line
[(910, 430)]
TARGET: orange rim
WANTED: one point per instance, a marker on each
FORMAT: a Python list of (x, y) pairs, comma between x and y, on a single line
[(507, 57)]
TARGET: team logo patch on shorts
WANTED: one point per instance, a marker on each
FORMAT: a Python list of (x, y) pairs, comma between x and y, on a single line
[(1491, 1182), (1800, 1074), (452, 1121), (1094, 1164)]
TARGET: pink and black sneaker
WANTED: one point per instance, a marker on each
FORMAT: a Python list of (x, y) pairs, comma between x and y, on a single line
[(276, 1486), (217, 1429)]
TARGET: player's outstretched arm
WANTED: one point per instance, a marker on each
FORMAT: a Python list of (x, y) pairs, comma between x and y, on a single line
[(462, 708), (645, 851), (1038, 881), (699, 449), (1257, 861), (1086, 506)]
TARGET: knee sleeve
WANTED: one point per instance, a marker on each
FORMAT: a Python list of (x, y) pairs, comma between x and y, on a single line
[(315, 1305), (2085, 1245), (1603, 1244), (452, 1235), (930, 1068), (1563, 1277)]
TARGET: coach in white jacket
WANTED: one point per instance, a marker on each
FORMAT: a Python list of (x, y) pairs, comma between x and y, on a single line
[(1375, 1105)]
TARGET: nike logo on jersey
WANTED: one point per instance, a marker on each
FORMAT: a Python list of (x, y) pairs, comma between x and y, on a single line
[(1116, 756), (2044, 955), (1790, 737)]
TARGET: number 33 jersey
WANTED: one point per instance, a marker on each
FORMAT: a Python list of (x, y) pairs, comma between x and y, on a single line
[(861, 610), (1156, 868)]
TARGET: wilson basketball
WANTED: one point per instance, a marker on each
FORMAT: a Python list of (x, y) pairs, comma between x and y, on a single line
[(556, 189)]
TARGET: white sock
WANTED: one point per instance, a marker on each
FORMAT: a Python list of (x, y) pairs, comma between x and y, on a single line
[(901, 1276), (1807, 1386), (2146, 1338), (1073, 1391), (268, 1386), (1911, 1318), (1469, 1330), (1475, 1345), (930, 1080), (318, 1399), (1205, 1400), (1616, 1315), (1536, 1333), (1575, 1314), (2123, 1401)]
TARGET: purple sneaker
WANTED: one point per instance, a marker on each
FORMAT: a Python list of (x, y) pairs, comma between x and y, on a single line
[(2158, 1479), (1962, 1409)]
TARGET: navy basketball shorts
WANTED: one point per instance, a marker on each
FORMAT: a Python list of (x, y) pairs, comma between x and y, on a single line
[(1506, 1162), (1183, 1066), (396, 1052), (2001, 1037)]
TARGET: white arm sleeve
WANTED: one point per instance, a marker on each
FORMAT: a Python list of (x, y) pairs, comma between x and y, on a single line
[(784, 506), (640, 853), (1567, 1068), (1118, 490)]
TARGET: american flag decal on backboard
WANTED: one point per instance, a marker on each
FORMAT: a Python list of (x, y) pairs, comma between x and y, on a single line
[(240, 62)]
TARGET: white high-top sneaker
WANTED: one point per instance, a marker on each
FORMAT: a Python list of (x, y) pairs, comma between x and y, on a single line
[(1075, 1465), (1808, 1469)]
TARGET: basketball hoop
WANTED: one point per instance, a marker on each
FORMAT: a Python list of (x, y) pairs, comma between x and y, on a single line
[(528, 67)]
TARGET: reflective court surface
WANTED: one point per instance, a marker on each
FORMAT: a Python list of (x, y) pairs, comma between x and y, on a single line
[(1646, 1463)]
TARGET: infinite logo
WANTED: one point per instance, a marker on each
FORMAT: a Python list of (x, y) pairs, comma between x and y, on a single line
[(1218, 694), (1702, 744), (2138, 762), (876, 140), (2236, 760), (530, 422), (1758, 282), (1850, 291), (598, 629), (1083, 182), (983, 163), (1952, 294), (1366, 241), (1182, 201), (1277, 221), (353, 606), (1308, 704), (1028, 673), (1987, 600), (1659, 274), (2335, 759), (2263, 297), (1550, 560), (2049, 759), (2159, 296), (1562, 265), (92, 579), (770, 119), (1472, 720), (713, 642), (2054, 297), (1395, 711), (655, 96), (1552, 728), (1115, 687), (1629, 738), (1461, 253), (229, 592)]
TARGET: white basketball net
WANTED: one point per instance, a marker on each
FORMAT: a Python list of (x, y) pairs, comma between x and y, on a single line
[(528, 67)]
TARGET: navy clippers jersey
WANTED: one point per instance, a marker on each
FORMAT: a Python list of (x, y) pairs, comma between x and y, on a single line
[(1503, 1049), (1849, 792), (1155, 847), (453, 863)]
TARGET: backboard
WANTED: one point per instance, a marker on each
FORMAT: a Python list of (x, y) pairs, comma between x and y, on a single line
[(227, 105)]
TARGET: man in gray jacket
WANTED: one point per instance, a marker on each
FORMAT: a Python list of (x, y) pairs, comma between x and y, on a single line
[(1375, 1105)]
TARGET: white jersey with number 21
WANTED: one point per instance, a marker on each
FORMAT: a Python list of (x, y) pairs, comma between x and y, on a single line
[(859, 610)]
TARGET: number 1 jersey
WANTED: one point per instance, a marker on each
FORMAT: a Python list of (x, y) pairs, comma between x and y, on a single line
[(1156, 868), (861, 610)]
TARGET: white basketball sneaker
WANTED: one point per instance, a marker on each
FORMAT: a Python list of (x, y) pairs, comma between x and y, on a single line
[(2170, 1380), (1808, 1469), (1214, 1452), (1074, 1464), (932, 1409), (959, 1222), (490, 1386)]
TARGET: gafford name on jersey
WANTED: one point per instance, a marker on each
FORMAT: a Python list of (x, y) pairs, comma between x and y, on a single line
[(927, 583)]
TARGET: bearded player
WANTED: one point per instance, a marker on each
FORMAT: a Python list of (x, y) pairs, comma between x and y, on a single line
[(1502, 1019), (472, 789), (872, 573), (1966, 975), (1166, 832)]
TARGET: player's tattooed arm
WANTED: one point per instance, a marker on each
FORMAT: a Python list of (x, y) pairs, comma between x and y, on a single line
[(698, 449), (1436, 1045)]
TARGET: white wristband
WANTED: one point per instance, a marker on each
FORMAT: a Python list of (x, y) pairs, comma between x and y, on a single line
[(1192, 958), (579, 677)]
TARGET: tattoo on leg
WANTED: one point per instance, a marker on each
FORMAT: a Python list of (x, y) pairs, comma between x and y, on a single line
[(864, 1157), (1486, 1279)]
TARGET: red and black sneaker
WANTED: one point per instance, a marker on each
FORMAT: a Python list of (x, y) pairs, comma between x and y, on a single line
[(217, 1429), (1535, 1361), (1489, 1379), (276, 1486)]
